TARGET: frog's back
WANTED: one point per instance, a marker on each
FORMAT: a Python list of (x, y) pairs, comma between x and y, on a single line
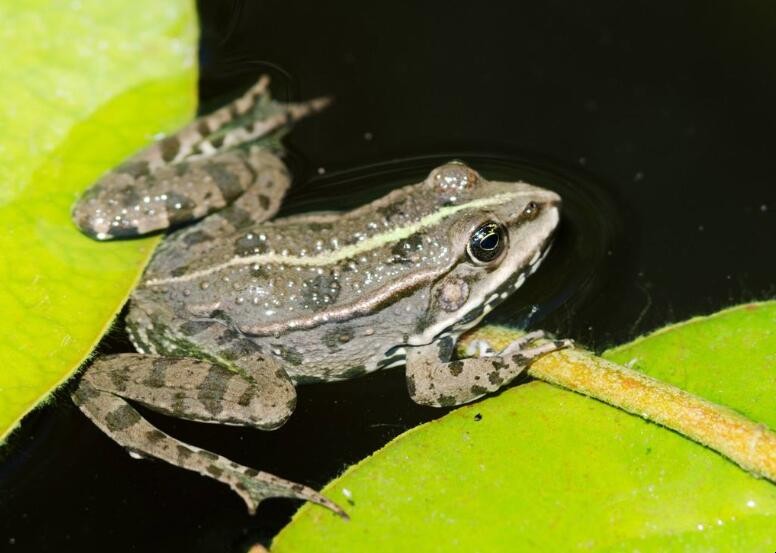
[(329, 293), (304, 271)]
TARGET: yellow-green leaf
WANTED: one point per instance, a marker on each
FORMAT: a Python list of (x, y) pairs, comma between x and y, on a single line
[(712, 358), (539, 468), (84, 84)]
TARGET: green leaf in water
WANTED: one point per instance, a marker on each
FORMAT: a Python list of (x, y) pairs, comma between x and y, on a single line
[(539, 468), (84, 84)]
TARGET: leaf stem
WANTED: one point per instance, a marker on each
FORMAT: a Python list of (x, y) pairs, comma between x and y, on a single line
[(749, 444)]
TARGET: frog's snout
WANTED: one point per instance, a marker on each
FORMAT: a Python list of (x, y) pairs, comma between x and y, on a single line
[(546, 198)]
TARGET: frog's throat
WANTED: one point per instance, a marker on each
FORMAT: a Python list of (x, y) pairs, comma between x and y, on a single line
[(345, 252)]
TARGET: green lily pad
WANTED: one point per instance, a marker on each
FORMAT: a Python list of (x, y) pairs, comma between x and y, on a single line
[(539, 468), (84, 85)]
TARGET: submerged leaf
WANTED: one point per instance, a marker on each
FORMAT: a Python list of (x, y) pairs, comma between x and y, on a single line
[(84, 85)]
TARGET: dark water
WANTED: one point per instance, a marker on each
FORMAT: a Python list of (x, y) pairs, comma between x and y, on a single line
[(655, 122)]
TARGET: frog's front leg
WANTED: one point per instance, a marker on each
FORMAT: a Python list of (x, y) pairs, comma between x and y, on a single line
[(434, 379), (209, 164), (196, 390)]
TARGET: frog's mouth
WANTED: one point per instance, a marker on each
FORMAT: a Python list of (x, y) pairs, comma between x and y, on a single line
[(506, 289)]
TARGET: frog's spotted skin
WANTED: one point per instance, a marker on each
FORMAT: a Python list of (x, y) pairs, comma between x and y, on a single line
[(234, 310), (434, 379), (196, 390), (202, 168)]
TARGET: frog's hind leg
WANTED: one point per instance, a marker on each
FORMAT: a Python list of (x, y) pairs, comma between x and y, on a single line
[(259, 202), (204, 167), (196, 390), (185, 143)]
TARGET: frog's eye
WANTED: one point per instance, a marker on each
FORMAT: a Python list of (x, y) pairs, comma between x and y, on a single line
[(486, 243)]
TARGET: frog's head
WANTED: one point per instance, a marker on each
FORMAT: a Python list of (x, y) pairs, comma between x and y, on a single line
[(498, 233)]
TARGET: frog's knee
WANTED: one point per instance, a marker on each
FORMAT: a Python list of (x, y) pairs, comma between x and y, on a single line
[(115, 208), (125, 203), (269, 407), (97, 219)]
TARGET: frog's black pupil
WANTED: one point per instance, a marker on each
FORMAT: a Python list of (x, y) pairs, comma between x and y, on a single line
[(486, 242), (489, 242)]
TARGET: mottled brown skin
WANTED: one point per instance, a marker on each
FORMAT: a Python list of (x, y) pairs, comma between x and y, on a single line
[(213, 162), (234, 310), (196, 390), (435, 379), (176, 180)]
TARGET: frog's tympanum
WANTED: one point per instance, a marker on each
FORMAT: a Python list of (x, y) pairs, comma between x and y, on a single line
[(234, 310)]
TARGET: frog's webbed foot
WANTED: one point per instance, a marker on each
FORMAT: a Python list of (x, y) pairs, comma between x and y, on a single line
[(433, 378), (196, 390), (202, 168)]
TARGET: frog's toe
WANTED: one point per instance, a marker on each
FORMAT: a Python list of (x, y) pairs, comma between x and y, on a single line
[(480, 348), (565, 343), (254, 487), (528, 341)]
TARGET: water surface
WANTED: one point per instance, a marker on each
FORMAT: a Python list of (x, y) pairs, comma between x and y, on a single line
[(653, 121)]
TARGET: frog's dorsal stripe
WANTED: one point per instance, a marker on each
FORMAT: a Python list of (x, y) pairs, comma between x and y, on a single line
[(345, 252), (364, 306)]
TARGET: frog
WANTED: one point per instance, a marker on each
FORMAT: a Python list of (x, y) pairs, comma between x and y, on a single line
[(237, 307)]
